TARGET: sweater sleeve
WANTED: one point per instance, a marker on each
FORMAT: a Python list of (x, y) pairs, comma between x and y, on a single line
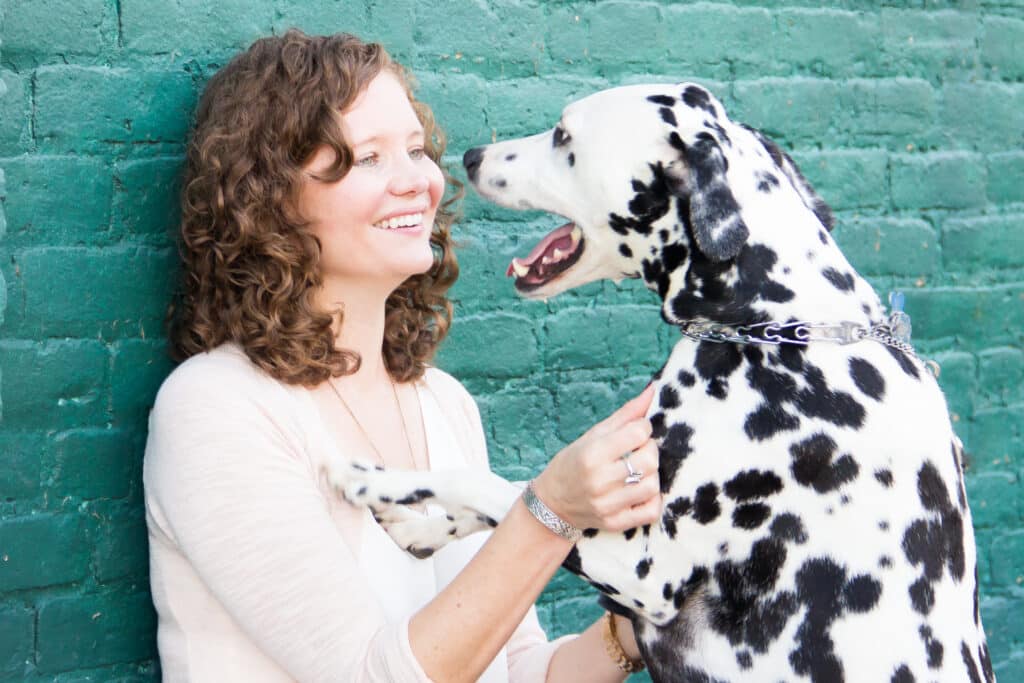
[(227, 479)]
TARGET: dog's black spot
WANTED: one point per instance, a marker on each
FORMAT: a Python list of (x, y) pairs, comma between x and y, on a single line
[(663, 100), (972, 667), (861, 593), (961, 493), (499, 182), (510, 157), (706, 507), (668, 116), (718, 388), (883, 525), (841, 281), (753, 265), (750, 515), (884, 476), (931, 489), (788, 527), (768, 420), (867, 378), (905, 363), (885, 562), (590, 532), (922, 596), (628, 534), (686, 378), (559, 137), (932, 646), (672, 450), (673, 511), (643, 567), (419, 553), (676, 141), (658, 429), (625, 250), (669, 397), (751, 484), (699, 98), (663, 236), (817, 400), (766, 182), (813, 465), (717, 360), (902, 675), (744, 659), (384, 499), (571, 159), (986, 663), (823, 236)]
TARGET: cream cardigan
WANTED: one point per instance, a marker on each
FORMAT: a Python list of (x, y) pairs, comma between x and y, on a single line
[(258, 571)]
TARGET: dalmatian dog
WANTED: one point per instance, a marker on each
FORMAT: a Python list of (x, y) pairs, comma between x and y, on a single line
[(815, 524)]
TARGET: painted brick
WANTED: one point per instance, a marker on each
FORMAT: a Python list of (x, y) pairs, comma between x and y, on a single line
[(388, 22), (521, 429), (57, 200), (724, 50), (42, 550), (606, 22), (1001, 374), (997, 437), (321, 17), (92, 630), (58, 383), (998, 107), (989, 241), (891, 246), (190, 26), (460, 106), (86, 108), (994, 499), (56, 27), (524, 106), (581, 405), (1007, 548), (1005, 171), (121, 550), (15, 114), (926, 43), (138, 368), (1004, 629), (96, 278), (591, 337), (991, 315), (91, 463), (567, 41), (848, 179), (145, 199), (493, 345), (20, 465), (787, 109), (851, 48), (953, 180), (899, 109), (958, 377), (508, 36), (1000, 46), (17, 642)]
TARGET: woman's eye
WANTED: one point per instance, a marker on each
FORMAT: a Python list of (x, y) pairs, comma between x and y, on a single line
[(417, 153), (366, 160)]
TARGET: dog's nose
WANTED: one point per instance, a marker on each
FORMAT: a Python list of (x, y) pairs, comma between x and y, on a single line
[(471, 160)]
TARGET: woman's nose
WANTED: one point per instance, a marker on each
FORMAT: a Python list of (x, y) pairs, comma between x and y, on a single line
[(409, 178)]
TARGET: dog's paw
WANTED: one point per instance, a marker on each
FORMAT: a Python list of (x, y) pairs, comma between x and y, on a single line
[(421, 536), (352, 479)]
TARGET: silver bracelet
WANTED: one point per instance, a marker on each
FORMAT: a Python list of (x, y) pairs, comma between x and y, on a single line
[(547, 517)]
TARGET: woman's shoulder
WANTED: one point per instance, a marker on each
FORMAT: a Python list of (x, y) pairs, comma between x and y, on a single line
[(215, 376)]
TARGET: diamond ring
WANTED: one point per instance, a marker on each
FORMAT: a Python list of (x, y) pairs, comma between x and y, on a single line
[(634, 476)]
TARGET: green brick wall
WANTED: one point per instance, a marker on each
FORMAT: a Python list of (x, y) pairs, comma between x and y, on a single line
[(907, 115)]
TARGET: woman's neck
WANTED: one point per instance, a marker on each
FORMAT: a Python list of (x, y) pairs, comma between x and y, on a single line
[(361, 330)]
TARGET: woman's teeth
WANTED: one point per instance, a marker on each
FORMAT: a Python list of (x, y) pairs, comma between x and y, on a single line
[(405, 221)]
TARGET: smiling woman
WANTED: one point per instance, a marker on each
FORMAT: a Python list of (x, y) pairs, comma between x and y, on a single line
[(316, 258)]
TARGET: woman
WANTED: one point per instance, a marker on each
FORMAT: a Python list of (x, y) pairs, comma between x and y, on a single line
[(316, 259)]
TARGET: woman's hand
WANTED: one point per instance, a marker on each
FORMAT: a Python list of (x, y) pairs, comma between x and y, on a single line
[(584, 484)]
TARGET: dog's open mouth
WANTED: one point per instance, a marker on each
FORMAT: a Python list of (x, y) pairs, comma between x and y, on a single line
[(553, 255)]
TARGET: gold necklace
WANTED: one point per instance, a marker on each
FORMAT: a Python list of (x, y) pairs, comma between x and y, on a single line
[(366, 434)]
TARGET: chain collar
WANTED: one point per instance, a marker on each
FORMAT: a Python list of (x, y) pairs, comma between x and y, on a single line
[(894, 332)]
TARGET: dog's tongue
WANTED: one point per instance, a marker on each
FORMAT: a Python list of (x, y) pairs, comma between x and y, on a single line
[(559, 238)]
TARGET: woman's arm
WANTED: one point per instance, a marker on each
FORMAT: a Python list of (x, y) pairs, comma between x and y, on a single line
[(457, 634)]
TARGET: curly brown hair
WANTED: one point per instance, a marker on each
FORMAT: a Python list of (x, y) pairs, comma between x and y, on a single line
[(250, 265)]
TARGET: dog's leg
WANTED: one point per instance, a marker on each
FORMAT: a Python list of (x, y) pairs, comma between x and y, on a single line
[(473, 500)]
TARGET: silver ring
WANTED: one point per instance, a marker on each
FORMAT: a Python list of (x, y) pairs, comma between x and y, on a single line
[(634, 476)]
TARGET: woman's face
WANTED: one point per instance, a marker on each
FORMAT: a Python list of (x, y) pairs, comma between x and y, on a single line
[(374, 224)]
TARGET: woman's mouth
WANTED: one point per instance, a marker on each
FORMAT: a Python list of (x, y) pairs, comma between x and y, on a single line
[(405, 221)]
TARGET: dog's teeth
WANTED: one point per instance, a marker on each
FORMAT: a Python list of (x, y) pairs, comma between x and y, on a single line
[(519, 269), (558, 255), (546, 260), (576, 235)]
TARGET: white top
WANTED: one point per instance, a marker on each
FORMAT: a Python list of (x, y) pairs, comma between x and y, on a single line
[(258, 571)]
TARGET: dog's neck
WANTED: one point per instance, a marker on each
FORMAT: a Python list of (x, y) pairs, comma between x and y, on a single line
[(785, 273)]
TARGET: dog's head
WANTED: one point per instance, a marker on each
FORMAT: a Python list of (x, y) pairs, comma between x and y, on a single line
[(651, 179)]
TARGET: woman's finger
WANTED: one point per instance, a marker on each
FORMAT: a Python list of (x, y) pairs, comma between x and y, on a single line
[(647, 513)]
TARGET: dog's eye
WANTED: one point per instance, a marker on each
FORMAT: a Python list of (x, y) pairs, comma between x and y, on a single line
[(560, 137)]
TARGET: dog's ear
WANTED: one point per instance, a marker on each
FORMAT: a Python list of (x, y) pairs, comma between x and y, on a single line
[(786, 164), (718, 227)]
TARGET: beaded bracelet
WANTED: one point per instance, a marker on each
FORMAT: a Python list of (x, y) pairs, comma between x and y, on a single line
[(613, 646)]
